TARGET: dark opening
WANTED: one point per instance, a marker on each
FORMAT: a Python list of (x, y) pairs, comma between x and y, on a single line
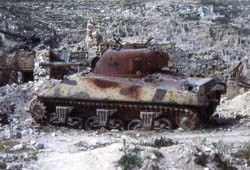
[(28, 76)]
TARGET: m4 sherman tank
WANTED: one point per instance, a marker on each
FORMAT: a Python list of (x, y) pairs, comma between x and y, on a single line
[(129, 90)]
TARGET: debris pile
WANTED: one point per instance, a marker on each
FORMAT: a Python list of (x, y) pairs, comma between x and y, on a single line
[(42, 55), (14, 99), (239, 105)]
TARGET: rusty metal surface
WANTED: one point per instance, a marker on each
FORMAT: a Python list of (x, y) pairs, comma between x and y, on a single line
[(131, 61)]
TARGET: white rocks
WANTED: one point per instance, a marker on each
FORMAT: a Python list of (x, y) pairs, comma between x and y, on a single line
[(153, 157), (53, 134), (32, 142), (236, 106), (18, 147), (207, 149), (42, 55), (11, 134)]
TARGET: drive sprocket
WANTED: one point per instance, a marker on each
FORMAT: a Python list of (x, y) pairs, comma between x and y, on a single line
[(38, 111)]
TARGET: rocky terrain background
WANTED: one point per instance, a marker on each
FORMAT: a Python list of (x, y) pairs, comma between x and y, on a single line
[(202, 31), (203, 37)]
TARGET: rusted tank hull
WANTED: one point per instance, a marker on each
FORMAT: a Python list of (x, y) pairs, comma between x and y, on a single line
[(130, 90), (155, 101)]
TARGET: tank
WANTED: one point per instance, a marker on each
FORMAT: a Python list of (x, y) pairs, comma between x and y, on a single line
[(128, 90)]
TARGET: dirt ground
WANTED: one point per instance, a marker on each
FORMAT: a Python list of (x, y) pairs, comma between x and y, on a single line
[(74, 149)]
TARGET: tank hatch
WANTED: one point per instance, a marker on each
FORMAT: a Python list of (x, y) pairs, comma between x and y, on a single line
[(133, 62)]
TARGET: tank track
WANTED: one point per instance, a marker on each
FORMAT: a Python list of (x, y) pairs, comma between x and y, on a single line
[(185, 117)]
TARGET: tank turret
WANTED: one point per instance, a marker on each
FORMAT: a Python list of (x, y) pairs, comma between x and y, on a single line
[(131, 62)]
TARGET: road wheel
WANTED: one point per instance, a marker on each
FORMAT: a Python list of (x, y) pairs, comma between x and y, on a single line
[(116, 124), (188, 119), (164, 123), (135, 124), (92, 123)]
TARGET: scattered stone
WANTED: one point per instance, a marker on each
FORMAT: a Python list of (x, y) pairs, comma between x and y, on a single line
[(80, 144), (32, 142), (18, 147), (39, 146), (15, 166), (158, 143), (53, 134), (2, 165), (207, 149), (18, 135), (200, 158)]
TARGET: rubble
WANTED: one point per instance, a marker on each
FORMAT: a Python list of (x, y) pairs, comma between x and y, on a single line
[(42, 55), (238, 106), (39, 146)]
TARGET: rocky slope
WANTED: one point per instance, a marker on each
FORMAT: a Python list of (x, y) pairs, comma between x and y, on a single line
[(208, 36)]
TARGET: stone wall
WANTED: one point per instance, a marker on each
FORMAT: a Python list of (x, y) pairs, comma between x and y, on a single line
[(42, 55)]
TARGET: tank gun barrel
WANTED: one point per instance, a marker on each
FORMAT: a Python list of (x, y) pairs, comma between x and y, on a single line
[(33, 37), (63, 64), (13, 34)]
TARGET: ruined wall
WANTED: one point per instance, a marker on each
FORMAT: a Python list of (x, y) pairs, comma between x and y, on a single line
[(42, 55)]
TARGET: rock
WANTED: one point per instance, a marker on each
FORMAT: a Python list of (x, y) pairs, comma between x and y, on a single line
[(32, 142), (9, 157), (18, 147), (2, 165), (18, 135), (207, 149), (26, 156), (15, 167), (39, 146), (80, 144), (153, 157), (123, 137)]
